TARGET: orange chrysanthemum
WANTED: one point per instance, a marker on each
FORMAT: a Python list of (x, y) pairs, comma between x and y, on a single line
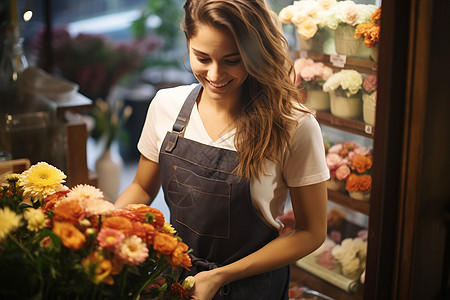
[(376, 15), (70, 236), (362, 163), (68, 211), (165, 243), (120, 223)]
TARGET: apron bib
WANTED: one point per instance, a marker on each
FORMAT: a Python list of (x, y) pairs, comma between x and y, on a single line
[(212, 211)]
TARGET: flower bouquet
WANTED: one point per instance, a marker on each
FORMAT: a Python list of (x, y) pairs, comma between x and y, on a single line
[(350, 165), (359, 182), (338, 159), (308, 18), (72, 244), (345, 93), (369, 98), (312, 75), (370, 32), (343, 18)]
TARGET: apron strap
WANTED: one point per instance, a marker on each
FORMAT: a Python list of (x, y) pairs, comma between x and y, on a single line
[(182, 118)]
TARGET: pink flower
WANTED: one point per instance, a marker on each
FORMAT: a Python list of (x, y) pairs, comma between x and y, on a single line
[(362, 151), (370, 83), (335, 148), (132, 251), (333, 160), (98, 207), (342, 172), (110, 238)]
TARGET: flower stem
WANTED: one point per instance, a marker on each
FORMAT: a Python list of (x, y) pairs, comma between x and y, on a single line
[(160, 267)]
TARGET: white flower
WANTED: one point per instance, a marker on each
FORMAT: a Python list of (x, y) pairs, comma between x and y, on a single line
[(348, 80), (350, 266), (35, 218), (84, 192), (9, 221)]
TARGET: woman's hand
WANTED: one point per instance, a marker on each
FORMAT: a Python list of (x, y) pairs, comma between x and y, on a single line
[(206, 285)]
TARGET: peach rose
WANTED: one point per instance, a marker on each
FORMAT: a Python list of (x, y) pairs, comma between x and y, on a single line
[(307, 29), (119, 223), (68, 211), (342, 172), (351, 14)]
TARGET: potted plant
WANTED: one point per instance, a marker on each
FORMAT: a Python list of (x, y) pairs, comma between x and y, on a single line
[(311, 76), (344, 88), (370, 33), (343, 19), (308, 18)]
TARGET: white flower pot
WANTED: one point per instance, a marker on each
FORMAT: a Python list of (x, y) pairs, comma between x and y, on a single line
[(361, 196), (369, 109), (345, 42), (109, 171), (346, 107), (374, 53), (317, 99), (336, 185)]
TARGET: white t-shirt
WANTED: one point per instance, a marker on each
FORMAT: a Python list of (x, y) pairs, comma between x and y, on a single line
[(304, 165)]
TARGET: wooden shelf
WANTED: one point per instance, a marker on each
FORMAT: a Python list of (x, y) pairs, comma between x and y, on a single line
[(304, 278), (353, 126), (338, 62), (344, 200)]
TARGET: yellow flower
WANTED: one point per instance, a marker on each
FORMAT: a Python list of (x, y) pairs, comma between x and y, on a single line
[(9, 221), (41, 180), (169, 228), (35, 219), (13, 177)]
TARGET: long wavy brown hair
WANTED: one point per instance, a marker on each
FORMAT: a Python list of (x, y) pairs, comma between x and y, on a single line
[(270, 97)]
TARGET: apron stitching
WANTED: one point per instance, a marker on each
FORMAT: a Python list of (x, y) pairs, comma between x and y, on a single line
[(202, 234), (218, 170), (199, 191)]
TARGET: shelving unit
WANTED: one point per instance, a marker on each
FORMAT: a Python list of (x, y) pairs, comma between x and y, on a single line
[(315, 278)]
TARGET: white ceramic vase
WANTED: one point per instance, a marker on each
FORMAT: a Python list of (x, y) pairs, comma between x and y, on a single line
[(345, 42), (361, 196), (317, 99), (369, 107), (336, 185), (346, 107), (109, 170)]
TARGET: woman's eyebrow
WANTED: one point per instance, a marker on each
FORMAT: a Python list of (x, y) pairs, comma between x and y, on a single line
[(205, 54)]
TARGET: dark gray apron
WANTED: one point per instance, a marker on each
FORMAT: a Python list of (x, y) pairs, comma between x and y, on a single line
[(211, 209)]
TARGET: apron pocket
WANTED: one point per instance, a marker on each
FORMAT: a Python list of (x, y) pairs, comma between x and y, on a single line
[(189, 193)]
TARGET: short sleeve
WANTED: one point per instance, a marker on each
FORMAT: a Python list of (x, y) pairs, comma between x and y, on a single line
[(305, 162)]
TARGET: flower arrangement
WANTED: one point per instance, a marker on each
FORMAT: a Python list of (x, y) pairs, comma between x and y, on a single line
[(370, 31), (347, 13), (109, 119), (347, 256), (94, 62), (72, 244), (347, 82), (350, 164), (306, 15), (309, 73)]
